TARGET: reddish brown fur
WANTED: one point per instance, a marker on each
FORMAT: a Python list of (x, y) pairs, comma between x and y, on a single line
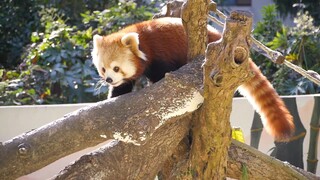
[(165, 42), (275, 116)]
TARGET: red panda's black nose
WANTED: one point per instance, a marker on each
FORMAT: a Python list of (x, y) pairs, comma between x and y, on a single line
[(109, 80)]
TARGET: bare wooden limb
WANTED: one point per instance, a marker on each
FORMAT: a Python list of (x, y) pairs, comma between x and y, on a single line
[(274, 56), (120, 160), (174, 8), (141, 162), (261, 166), (176, 166), (147, 111), (193, 71)]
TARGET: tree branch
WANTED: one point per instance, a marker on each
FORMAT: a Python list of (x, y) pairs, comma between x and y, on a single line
[(194, 19), (133, 122), (260, 165), (119, 160)]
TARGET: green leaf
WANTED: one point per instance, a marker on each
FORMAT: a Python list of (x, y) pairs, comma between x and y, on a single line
[(3, 86), (35, 37), (31, 91), (244, 170), (1, 73)]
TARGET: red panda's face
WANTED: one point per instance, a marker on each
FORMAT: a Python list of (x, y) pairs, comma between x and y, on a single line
[(115, 59)]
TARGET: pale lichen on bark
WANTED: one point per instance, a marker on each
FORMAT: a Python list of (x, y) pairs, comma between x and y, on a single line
[(179, 107)]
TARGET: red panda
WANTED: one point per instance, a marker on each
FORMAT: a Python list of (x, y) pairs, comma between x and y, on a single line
[(153, 48)]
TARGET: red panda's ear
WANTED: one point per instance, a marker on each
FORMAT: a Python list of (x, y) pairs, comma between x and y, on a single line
[(97, 40), (130, 40)]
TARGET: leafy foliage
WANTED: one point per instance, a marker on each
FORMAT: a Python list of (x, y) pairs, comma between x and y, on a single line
[(265, 31), (45, 48), (18, 19), (56, 66), (291, 7), (300, 44)]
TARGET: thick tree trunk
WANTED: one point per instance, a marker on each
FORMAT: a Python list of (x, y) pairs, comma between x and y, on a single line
[(212, 131)]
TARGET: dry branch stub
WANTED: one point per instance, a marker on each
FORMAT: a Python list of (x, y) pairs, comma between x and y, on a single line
[(194, 19)]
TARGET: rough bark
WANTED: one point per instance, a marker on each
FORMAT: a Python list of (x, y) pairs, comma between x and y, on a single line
[(119, 160), (107, 162), (260, 166), (226, 67), (132, 122), (145, 129), (194, 19)]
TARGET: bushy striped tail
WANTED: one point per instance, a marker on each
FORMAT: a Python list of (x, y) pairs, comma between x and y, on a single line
[(275, 116)]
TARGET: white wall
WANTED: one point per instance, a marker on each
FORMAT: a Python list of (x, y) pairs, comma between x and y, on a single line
[(15, 120)]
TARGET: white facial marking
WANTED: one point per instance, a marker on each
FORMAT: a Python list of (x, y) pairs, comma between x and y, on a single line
[(116, 77), (108, 55), (126, 68)]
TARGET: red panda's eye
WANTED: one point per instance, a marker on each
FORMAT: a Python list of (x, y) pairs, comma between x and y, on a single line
[(116, 69), (103, 70)]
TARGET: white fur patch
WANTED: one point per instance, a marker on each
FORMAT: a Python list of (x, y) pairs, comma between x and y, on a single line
[(142, 55), (97, 40), (126, 66)]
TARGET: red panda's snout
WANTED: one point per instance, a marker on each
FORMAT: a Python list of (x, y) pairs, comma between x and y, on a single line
[(117, 72)]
